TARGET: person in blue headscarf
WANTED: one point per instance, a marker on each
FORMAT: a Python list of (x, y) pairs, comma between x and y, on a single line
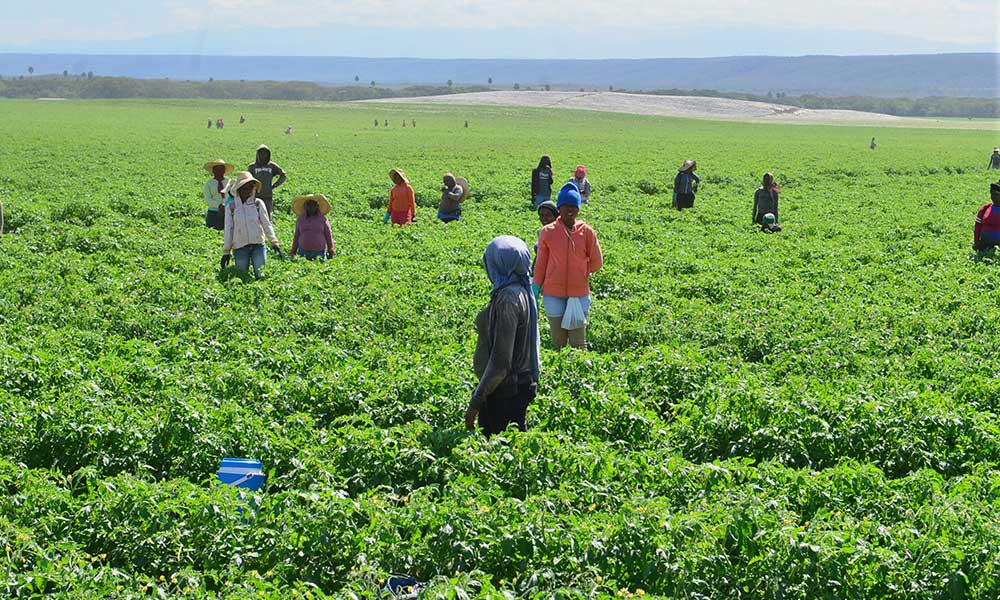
[(506, 358)]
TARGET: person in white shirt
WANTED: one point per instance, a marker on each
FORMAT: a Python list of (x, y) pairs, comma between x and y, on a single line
[(247, 226), (215, 192)]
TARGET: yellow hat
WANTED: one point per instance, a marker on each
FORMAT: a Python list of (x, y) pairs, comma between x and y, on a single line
[(210, 166), (463, 183), (299, 203), (401, 174), (688, 165)]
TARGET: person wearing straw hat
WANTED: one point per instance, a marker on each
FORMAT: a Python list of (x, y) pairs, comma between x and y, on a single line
[(265, 172), (995, 159), (579, 179), (686, 185), (402, 209), (248, 225), (765, 205), (453, 194), (986, 233), (568, 254), (312, 238), (215, 193), (507, 345)]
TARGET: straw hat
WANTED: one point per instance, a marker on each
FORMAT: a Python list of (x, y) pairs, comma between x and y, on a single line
[(996, 148), (299, 203), (688, 165), (402, 175), (242, 178), (209, 166), (463, 183)]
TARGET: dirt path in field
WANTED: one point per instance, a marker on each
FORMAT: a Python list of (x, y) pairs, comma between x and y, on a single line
[(695, 107)]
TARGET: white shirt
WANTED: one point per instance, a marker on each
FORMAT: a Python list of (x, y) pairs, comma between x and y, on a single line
[(246, 223), (212, 196)]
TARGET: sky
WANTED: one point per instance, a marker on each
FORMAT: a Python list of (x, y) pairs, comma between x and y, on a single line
[(509, 29)]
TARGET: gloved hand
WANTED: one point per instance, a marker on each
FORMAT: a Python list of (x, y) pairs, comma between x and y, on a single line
[(386, 217), (224, 262), (537, 291), (277, 250)]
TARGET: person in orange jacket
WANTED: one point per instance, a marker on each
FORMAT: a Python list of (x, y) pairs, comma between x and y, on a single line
[(568, 252), (402, 206)]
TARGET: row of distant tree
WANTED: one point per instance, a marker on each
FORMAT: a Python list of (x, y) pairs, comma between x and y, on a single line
[(87, 85)]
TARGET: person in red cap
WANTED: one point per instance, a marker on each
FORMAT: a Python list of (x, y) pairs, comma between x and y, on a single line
[(986, 233), (581, 182)]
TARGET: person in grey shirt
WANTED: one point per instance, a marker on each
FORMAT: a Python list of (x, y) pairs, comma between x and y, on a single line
[(265, 172), (452, 195)]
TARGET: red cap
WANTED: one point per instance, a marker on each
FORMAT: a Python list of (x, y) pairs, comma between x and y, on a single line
[(581, 171)]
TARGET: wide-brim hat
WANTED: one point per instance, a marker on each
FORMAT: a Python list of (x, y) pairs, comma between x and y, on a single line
[(399, 172), (996, 148), (299, 203), (242, 178), (463, 183), (688, 164), (210, 166)]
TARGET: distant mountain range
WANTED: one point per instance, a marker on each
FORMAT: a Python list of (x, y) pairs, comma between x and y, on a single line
[(918, 75)]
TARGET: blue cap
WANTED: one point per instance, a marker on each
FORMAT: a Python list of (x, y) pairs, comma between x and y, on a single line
[(569, 194)]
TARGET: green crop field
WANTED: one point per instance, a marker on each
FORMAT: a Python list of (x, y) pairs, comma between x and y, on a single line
[(811, 414)]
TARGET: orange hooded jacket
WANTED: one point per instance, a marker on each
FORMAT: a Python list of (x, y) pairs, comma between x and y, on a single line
[(566, 259)]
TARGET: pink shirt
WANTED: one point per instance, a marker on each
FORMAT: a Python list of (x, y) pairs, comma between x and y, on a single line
[(312, 234)]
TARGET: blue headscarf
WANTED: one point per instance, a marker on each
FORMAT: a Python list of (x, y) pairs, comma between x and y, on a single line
[(508, 262)]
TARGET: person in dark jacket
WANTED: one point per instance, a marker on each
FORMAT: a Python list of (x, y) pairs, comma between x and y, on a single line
[(995, 159), (507, 347), (265, 172), (686, 185), (986, 233), (765, 202), (541, 181)]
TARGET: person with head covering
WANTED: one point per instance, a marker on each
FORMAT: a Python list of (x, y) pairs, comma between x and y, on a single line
[(210, 123), (506, 360), (265, 172), (452, 196), (579, 179), (765, 204), (215, 193), (402, 209), (242, 119), (542, 179), (248, 225), (986, 233), (547, 213), (568, 253), (995, 159), (873, 145), (686, 185), (312, 238)]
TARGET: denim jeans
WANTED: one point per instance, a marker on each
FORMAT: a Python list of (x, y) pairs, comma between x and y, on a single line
[(312, 254), (539, 198), (252, 253), (556, 306)]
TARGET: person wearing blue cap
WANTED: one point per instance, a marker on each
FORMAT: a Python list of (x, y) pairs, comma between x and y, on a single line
[(568, 253), (507, 349)]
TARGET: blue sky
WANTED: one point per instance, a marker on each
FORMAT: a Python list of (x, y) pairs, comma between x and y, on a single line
[(512, 29)]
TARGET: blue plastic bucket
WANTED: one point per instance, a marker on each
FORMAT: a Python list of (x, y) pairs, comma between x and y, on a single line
[(244, 473)]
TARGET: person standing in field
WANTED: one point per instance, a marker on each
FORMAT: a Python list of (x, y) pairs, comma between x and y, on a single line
[(265, 172), (387, 122), (568, 253), (215, 193), (242, 119), (288, 130), (414, 122), (312, 238), (452, 196), (376, 122), (986, 233), (873, 145), (579, 179), (506, 360), (542, 179), (402, 209), (686, 185), (210, 123), (247, 226), (995, 159), (765, 202), (547, 213)]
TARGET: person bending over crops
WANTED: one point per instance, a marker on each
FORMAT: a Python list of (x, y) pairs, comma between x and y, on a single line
[(995, 159), (765, 205), (579, 179), (265, 171), (402, 209), (247, 225), (568, 252), (507, 347), (541, 181), (686, 185), (452, 196), (312, 237), (215, 193), (986, 233)]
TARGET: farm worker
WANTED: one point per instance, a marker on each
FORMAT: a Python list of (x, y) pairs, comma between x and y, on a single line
[(547, 213), (995, 159), (387, 122), (579, 179), (987, 230), (466, 124), (376, 122), (765, 202), (507, 346), (414, 122), (247, 226), (312, 237), (404, 123), (873, 144), (686, 185), (215, 193), (541, 180), (452, 196), (264, 171), (288, 130), (568, 252), (402, 207), (210, 123), (242, 119)]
